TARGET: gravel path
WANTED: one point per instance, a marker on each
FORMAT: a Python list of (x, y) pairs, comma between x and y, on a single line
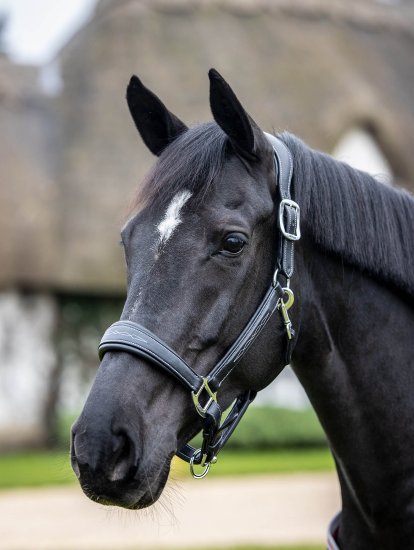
[(263, 510)]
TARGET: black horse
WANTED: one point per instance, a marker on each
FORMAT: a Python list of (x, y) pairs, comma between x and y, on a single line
[(201, 254)]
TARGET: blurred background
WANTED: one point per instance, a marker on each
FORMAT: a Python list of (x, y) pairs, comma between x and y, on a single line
[(337, 73)]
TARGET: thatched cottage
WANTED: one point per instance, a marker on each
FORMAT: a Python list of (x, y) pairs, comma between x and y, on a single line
[(322, 69)]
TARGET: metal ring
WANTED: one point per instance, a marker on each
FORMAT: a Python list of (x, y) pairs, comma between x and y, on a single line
[(275, 274), (206, 467)]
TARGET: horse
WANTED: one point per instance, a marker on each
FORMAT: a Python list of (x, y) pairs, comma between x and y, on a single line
[(215, 255)]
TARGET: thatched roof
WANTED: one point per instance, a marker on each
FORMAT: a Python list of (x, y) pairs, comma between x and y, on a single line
[(312, 67), (27, 183)]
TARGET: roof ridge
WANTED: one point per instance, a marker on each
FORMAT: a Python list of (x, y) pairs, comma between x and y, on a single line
[(371, 14)]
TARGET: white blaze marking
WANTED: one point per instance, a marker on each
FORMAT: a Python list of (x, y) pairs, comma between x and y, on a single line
[(172, 219)]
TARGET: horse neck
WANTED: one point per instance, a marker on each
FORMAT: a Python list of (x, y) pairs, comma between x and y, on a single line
[(354, 359)]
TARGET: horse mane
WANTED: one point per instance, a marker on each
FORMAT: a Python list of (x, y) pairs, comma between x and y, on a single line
[(192, 162), (350, 214)]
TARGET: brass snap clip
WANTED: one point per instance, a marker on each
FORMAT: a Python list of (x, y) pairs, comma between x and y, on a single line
[(283, 307)]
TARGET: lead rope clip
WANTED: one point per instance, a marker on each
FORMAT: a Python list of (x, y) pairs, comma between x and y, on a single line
[(283, 307)]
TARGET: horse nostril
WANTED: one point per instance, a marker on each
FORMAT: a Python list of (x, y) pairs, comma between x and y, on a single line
[(103, 456), (123, 458)]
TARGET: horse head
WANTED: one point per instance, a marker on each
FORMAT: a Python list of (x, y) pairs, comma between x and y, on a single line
[(200, 255)]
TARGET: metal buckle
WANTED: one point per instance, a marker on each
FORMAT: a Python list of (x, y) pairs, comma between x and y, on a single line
[(290, 236), (196, 398)]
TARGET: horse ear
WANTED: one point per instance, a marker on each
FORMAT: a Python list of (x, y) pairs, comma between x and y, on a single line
[(157, 126), (231, 116)]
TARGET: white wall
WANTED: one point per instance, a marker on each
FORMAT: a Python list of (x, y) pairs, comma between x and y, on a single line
[(27, 324)]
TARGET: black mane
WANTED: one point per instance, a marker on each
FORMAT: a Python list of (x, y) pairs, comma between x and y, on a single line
[(367, 223)]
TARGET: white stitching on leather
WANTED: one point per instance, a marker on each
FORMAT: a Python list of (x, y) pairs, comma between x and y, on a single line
[(128, 335), (131, 339)]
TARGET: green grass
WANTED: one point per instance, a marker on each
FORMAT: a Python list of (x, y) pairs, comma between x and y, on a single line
[(35, 469), (234, 463), (268, 441), (272, 462)]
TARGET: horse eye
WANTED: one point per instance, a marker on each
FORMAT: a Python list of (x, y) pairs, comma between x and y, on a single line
[(233, 244)]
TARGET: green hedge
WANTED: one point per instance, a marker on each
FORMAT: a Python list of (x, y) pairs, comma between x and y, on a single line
[(276, 428), (261, 428)]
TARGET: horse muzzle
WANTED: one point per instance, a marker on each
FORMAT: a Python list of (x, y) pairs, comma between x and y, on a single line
[(111, 472), (118, 457)]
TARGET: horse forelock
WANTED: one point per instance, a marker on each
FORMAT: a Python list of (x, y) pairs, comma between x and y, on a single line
[(191, 163)]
